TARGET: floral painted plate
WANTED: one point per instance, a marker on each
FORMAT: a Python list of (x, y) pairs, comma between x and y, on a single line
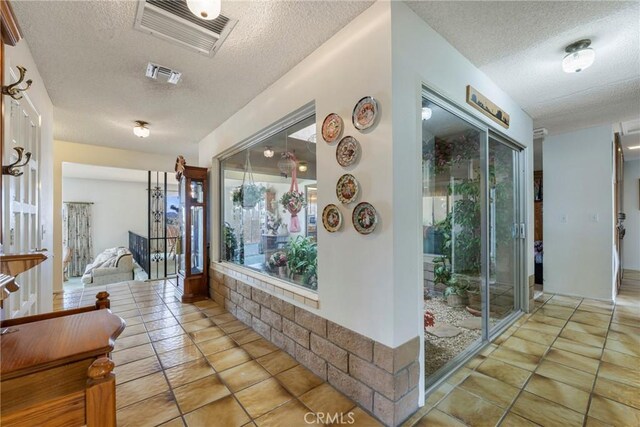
[(331, 218), (364, 218), (332, 128), (347, 151), (365, 113), (347, 188)]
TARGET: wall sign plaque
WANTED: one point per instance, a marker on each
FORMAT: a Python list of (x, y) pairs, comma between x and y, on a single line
[(486, 107)]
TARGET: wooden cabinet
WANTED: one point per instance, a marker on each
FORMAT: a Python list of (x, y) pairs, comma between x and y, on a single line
[(192, 278), (55, 368)]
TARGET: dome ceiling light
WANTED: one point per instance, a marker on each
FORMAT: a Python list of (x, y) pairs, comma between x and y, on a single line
[(140, 129), (579, 56), (205, 9), (268, 152)]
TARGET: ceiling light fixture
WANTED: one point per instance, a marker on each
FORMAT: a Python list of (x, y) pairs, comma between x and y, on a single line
[(205, 9), (635, 147), (579, 56), (268, 152), (426, 113), (303, 166), (140, 129)]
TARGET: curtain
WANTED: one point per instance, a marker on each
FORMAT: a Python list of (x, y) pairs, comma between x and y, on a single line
[(77, 236)]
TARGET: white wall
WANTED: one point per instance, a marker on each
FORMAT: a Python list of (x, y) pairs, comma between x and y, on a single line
[(422, 57), (99, 156), (578, 213), (631, 207), (37, 95), (118, 207), (355, 273)]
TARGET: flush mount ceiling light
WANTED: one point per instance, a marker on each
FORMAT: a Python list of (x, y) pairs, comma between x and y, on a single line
[(268, 152), (140, 129), (205, 9), (303, 166), (426, 113), (579, 56)]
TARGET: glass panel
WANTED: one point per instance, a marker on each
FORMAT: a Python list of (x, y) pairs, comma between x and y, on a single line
[(183, 224), (197, 239), (270, 218), (196, 193), (502, 222), (452, 236)]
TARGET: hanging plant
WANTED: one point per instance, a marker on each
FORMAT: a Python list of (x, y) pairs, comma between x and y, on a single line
[(293, 200), (248, 194)]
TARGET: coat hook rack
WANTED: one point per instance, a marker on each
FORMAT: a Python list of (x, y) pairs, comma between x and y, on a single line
[(23, 159), (13, 90)]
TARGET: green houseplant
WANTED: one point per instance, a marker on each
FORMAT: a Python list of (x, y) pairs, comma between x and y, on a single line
[(302, 260), (230, 242)]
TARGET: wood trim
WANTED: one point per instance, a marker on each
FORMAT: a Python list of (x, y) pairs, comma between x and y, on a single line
[(11, 33), (14, 264)]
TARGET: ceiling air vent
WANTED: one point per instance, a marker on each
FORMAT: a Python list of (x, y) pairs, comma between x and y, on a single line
[(158, 72), (173, 21)]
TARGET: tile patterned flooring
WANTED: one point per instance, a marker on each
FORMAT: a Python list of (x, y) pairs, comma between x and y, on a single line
[(572, 362), (197, 365)]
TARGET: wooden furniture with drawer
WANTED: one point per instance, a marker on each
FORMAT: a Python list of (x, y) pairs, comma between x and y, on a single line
[(55, 368)]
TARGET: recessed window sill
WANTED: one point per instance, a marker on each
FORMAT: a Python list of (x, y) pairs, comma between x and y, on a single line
[(272, 285)]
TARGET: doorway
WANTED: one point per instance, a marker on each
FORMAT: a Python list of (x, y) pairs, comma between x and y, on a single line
[(473, 235)]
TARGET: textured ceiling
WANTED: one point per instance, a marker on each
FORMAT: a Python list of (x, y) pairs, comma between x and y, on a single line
[(93, 63), (520, 46)]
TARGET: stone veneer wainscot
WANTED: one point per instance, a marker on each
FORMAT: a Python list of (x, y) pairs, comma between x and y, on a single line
[(382, 380)]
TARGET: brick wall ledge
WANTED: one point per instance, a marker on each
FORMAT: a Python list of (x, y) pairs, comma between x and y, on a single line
[(381, 380), (271, 284)]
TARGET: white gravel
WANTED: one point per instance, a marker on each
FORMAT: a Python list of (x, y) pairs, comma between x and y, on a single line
[(438, 351)]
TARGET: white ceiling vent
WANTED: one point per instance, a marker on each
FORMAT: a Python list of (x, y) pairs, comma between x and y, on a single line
[(173, 21), (158, 72)]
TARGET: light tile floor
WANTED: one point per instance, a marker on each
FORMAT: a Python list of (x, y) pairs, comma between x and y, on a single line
[(197, 365), (571, 362)]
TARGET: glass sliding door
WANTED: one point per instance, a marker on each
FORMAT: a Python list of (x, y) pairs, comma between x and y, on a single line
[(472, 235), (505, 230), (452, 199)]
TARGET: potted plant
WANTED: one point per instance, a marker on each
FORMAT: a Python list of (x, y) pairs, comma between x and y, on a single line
[(247, 195), (456, 292), (302, 254), (279, 260)]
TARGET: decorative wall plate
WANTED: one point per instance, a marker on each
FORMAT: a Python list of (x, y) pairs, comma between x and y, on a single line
[(332, 128), (365, 218), (331, 218), (347, 188), (365, 113), (347, 151)]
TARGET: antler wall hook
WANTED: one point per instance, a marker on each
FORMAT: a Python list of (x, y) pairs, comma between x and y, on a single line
[(12, 169), (13, 90)]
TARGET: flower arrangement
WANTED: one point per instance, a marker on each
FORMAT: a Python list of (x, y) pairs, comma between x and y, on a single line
[(429, 319), (278, 259)]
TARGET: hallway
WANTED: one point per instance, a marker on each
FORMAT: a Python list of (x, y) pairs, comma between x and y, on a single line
[(572, 362)]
